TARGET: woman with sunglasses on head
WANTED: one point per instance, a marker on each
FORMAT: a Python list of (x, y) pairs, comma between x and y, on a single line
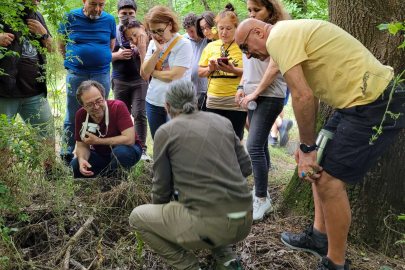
[(168, 58), (205, 26), (263, 83), (221, 62)]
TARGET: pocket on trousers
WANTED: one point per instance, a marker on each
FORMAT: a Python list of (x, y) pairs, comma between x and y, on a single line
[(191, 235), (351, 145)]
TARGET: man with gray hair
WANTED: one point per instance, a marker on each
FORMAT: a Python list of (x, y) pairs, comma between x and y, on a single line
[(213, 206), (105, 134), (189, 24)]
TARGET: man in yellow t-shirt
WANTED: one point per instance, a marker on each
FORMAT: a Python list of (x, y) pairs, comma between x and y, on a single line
[(319, 60)]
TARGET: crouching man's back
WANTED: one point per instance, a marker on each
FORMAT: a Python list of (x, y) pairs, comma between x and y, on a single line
[(199, 159)]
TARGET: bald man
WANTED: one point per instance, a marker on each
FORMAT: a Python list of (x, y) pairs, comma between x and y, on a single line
[(319, 60)]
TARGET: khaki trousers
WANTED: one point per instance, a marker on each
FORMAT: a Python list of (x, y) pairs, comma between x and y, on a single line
[(170, 230)]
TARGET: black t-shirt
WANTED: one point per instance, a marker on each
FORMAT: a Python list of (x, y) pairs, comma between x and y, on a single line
[(30, 76)]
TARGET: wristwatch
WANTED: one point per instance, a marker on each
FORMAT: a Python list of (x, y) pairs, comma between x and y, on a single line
[(44, 37), (305, 148)]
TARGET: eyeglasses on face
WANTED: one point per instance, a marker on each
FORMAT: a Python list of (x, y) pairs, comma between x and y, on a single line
[(205, 28), (244, 47), (91, 105), (159, 32)]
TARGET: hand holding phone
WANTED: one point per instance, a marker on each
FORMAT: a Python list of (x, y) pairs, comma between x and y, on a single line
[(223, 60)]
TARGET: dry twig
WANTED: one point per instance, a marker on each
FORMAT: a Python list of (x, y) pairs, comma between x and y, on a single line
[(75, 237)]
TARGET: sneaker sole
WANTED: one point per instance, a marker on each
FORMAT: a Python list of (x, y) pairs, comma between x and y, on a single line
[(302, 249)]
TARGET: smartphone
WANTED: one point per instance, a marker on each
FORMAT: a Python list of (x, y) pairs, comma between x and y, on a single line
[(223, 60)]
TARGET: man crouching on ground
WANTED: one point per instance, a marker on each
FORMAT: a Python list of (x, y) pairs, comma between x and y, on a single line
[(197, 157), (104, 134)]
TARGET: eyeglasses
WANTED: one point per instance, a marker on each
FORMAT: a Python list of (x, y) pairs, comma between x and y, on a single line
[(159, 32), (205, 28), (244, 47), (91, 105)]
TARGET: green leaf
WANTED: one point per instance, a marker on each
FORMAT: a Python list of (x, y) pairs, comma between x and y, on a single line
[(383, 26), (393, 29), (384, 267)]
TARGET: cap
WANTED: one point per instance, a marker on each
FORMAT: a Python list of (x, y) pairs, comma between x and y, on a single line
[(126, 4)]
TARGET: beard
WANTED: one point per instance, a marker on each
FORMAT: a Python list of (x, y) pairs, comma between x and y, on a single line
[(94, 17)]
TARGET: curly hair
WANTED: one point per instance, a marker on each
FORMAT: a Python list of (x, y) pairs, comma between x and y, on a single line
[(189, 20), (228, 13), (129, 25), (209, 17), (275, 8), (162, 14)]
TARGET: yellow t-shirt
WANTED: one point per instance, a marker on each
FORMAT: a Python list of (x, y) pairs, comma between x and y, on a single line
[(337, 66), (222, 84)]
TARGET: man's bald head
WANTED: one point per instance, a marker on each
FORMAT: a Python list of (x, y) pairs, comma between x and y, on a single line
[(244, 28), (251, 37)]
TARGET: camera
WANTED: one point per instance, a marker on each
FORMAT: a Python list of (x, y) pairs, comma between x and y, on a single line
[(92, 128)]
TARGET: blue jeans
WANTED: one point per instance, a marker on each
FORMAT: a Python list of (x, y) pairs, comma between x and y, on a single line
[(157, 116), (33, 110), (123, 155), (260, 122), (73, 81)]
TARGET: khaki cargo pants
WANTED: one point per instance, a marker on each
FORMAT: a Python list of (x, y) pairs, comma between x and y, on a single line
[(170, 230)]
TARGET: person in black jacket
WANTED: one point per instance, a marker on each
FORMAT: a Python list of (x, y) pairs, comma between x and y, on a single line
[(22, 81)]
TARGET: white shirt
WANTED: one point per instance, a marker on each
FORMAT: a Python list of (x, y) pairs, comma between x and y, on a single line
[(181, 55), (253, 72)]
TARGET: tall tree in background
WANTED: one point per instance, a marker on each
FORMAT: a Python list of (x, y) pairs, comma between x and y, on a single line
[(382, 193)]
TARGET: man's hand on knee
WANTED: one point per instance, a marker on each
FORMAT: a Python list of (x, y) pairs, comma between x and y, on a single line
[(308, 169)]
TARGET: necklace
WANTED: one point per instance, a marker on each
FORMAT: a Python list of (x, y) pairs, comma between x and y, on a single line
[(224, 53)]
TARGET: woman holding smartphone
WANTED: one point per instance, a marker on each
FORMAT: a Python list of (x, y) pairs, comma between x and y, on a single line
[(167, 59), (221, 62), (262, 82)]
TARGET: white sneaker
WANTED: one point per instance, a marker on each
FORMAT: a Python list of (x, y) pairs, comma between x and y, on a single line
[(145, 156), (261, 208), (254, 194)]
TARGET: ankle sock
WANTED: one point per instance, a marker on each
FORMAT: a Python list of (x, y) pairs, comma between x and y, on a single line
[(229, 262), (319, 234), (339, 267)]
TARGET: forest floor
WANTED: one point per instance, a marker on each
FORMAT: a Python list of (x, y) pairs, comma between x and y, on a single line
[(110, 243), (55, 211)]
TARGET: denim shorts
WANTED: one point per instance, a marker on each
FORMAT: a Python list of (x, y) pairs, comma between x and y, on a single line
[(352, 152)]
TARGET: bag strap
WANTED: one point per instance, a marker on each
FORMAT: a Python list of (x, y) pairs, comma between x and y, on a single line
[(162, 59)]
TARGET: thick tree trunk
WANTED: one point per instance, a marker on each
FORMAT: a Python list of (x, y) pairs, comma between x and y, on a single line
[(383, 190)]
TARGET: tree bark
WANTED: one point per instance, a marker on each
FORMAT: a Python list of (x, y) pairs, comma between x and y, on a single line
[(207, 8), (382, 191)]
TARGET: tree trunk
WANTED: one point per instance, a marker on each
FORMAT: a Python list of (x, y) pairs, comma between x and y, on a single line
[(170, 4), (382, 192), (207, 8)]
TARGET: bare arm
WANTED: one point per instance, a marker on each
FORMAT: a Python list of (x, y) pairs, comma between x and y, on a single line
[(169, 75), (303, 102), (83, 155), (149, 65), (127, 137), (62, 48), (112, 44), (269, 77)]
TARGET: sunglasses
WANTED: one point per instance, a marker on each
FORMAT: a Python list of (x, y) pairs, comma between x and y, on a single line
[(244, 47)]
